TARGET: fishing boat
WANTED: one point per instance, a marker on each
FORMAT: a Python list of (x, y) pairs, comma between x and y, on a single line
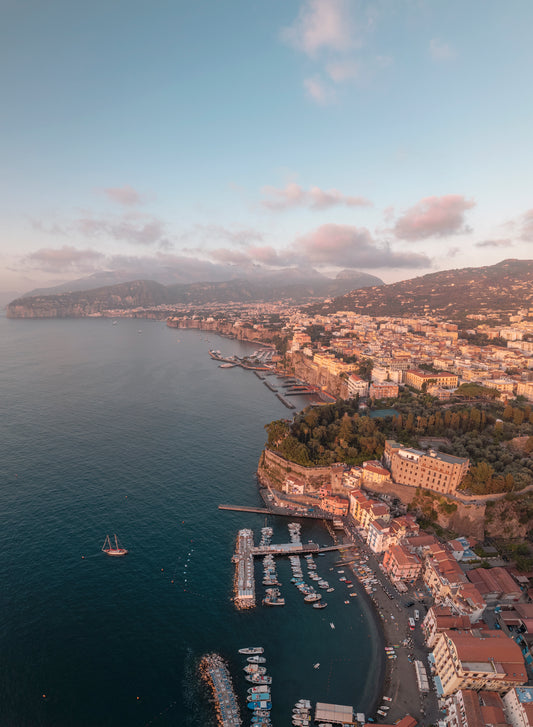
[(260, 705), (252, 650), (321, 604), (111, 549), (256, 659), (312, 597), (260, 688)]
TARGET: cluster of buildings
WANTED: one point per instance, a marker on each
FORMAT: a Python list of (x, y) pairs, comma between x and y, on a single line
[(480, 672), (399, 346)]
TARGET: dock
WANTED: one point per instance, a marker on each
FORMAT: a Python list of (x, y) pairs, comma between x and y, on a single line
[(284, 401), (269, 386), (298, 548), (244, 582), (245, 508), (215, 672)]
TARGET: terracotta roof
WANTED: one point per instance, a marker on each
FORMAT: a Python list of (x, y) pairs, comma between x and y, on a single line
[(492, 647)]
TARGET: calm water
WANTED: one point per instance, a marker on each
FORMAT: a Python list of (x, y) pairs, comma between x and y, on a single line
[(131, 428)]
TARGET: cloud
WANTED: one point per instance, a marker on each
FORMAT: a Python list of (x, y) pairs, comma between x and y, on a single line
[(133, 229), (293, 195), (495, 243), (348, 246), (344, 70), (321, 24), (63, 259), (434, 217), (441, 51), (527, 226), (319, 91), (243, 237), (126, 195)]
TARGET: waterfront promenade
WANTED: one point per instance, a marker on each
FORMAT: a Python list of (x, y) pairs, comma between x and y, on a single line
[(399, 677)]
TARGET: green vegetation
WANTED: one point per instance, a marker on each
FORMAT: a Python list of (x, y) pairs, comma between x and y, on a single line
[(327, 434), (484, 432), (476, 391)]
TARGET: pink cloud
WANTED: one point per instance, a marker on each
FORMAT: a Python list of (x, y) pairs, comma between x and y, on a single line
[(348, 246), (293, 195), (321, 24), (527, 226), (126, 195), (434, 217), (345, 70), (318, 91), (63, 259)]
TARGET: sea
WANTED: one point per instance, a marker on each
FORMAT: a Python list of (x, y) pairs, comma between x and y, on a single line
[(129, 427)]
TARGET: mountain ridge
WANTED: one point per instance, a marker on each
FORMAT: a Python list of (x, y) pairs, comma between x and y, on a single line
[(149, 293), (455, 293)]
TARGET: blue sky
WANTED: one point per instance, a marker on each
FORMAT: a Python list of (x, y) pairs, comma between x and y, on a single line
[(216, 138)]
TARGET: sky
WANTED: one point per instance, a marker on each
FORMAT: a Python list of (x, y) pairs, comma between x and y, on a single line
[(219, 138)]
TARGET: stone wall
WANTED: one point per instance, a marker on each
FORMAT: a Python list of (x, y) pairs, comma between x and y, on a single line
[(273, 470), (467, 519)]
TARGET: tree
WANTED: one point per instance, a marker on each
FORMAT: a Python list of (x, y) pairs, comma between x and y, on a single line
[(277, 431)]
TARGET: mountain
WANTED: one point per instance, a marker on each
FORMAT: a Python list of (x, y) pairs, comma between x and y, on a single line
[(149, 294), (452, 294)]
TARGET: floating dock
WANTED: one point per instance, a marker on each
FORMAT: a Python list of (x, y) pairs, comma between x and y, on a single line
[(215, 672)]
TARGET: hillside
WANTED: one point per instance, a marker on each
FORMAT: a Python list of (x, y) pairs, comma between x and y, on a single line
[(148, 293), (452, 294)]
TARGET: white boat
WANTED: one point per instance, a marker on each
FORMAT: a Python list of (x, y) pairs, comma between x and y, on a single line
[(115, 549), (256, 659), (332, 624), (315, 666), (252, 650)]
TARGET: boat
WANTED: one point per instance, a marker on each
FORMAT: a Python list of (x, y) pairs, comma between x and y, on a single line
[(330, 590), (227, 365), (260, 705), (116, 550), (312, 597), (259, 688), (315, 666), (258, 697), (252, 650), (256, 659), (332, 624), (258, 679), (322, 604)]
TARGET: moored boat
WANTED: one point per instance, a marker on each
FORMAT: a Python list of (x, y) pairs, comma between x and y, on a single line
[(252, 650)]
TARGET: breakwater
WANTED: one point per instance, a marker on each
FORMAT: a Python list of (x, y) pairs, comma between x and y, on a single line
[(215, 672)]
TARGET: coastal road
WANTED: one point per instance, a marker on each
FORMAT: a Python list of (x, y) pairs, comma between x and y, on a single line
[(400, 679)]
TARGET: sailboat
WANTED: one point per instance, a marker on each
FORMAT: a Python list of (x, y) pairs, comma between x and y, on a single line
[(110, 549)]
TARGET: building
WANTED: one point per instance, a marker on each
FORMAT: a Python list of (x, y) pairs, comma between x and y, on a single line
[(385, 390), (518, 704), (430, 470), (487, 660), (467, 708), (401, 565), (374, 474), (419, 379), (495, 585), (357, 386), (439, 619), (365, 510), (335, 504), (378, 537)]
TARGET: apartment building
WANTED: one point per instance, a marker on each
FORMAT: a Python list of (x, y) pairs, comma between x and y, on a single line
[(518, 704), (495, 585), (357, 386), (417, 378), (401, 565), (430, 470), (384, 390), (468, 708), (439, 619), (480, 660)]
